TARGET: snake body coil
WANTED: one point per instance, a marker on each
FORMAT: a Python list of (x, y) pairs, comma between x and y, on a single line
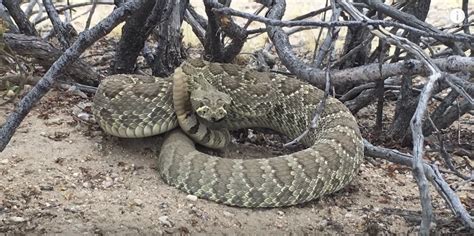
[(128, 107)]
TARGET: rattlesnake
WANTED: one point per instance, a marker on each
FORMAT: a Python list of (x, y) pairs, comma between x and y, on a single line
[(139, 106)]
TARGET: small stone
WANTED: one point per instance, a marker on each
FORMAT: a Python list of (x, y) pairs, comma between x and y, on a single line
[(46, 187), (165, 221), (192, 198), (72, 209), (84, 116), (137, 202), (227, 214), (323, 223), (108, 182), (54, 121), (86, 185), (163, 205), (4, 161), (10, 93), (280, 213), (17, 219), (76, 174)]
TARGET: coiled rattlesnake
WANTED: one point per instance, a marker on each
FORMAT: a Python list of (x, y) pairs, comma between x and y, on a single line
[(233, 97)]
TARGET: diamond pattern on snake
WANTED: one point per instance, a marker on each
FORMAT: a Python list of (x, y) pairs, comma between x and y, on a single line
[(202, 101)]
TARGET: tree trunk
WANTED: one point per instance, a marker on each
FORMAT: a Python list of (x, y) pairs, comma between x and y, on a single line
[(355, 36), (132, 40), (170, 52), (407, 103)]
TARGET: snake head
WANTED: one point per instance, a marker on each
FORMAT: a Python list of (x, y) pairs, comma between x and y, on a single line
[(210, 105)]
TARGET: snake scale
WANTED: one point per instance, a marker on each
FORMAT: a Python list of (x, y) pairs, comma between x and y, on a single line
[(207, 99)]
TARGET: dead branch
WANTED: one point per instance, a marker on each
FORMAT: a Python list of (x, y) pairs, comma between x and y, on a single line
[(431, 171), (214, 45), (412, 21), (348, 78), (91, 13), (416, 122), (291, 23), (84, 40), (45, 55), (463, 87), (198, 28), (60, 10), (169, 50), (328, 40), (133, 38), (19, 17), (64, 31)]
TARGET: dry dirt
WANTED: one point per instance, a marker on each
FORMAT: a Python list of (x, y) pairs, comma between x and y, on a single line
[(61, 175)]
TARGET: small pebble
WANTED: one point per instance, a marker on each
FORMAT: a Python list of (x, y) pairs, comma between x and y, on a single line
[(72, 209), (165, 221), (17, 219), (323, 223), (4, 161), (192, 198), (108, 182), (46, 187), (138, 202), (280, 213), (227, 214), (163, 205), (84, 116), (10, 93)]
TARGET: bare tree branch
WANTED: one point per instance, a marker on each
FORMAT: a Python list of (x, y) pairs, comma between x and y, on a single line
[(433, 175), (19, 17), (91, 13), (198, 28), (169, 51), (70, 55), (416, 122), (412, 21), (45, 55), (64, 31), (133, 38), (291, 23)]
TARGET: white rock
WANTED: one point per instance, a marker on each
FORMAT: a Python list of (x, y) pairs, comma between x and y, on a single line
[(192, 198), (107, 183), (17, 219), (138, 202), (165, 221), (227, 214)]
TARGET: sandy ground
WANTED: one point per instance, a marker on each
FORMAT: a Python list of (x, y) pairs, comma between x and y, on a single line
[(59, 175)]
